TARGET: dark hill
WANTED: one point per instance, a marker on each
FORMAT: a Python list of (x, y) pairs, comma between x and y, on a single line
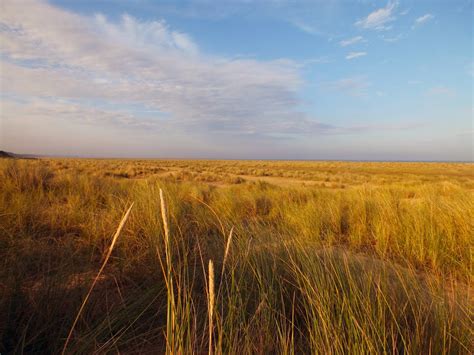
[(10, 155), (4, 154)]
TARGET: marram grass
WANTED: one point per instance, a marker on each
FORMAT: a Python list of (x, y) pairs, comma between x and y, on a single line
[(261, 258)]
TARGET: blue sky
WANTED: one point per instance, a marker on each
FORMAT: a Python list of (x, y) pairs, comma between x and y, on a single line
[(370, 80)]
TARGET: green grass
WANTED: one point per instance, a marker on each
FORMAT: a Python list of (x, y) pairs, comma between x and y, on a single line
[(383, 266)]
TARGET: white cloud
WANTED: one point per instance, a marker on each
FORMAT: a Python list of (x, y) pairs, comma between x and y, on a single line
[(379, 19), (351, 41), (44, 109), (423, 19), (309, 29), (305, 27), (144, 35), (97, 64), (353, 55)]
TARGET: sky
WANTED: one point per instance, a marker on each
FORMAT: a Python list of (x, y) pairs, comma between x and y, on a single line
[(332, 79)]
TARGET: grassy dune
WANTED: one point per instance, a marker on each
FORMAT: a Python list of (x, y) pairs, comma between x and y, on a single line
[(307, 257)]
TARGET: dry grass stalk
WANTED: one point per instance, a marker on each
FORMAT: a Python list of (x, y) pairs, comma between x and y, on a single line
[(211, 303), (170, 309), (109, 252), (164, 218), (227, 248)]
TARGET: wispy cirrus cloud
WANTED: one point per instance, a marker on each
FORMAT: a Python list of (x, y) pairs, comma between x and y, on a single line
[(351, 41), (423, 19), (380, 18), (98, 64), (353, 55), (310, 28)]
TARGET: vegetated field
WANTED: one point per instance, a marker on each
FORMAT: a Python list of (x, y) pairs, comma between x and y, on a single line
[(261, 257)]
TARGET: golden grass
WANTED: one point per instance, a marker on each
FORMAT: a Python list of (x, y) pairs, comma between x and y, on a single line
[(325, 174), (311, 257), (211, 304)]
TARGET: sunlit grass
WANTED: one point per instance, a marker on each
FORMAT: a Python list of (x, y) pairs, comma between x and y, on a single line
[(383, 265)]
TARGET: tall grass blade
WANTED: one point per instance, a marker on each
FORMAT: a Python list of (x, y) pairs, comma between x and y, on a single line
[(109, 252), (211, 303), (170, 307), (226, 252)]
